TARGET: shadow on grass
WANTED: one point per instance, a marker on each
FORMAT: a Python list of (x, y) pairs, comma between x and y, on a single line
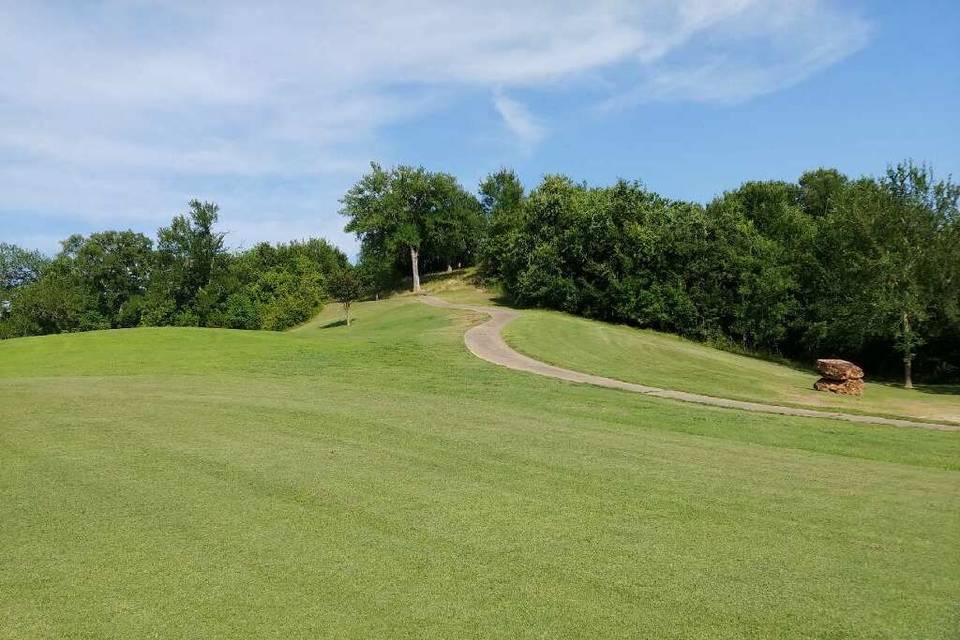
[(469, 276), (335, 323), (440, 276), (934, 389)]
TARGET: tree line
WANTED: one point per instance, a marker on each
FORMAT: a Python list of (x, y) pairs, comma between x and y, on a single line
[(866, 268), (117, 279)]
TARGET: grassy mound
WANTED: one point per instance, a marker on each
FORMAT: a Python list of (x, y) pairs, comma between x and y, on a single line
[(663, 360), (379, 481)]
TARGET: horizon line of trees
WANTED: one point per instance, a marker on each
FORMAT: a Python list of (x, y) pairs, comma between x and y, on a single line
[(120, 279), (866, 269)]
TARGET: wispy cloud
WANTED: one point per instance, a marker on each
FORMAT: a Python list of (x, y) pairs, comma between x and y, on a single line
[(760, 48), (127, 107), (518, 120)]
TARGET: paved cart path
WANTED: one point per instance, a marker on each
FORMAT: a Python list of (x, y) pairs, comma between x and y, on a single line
[(485, 341)]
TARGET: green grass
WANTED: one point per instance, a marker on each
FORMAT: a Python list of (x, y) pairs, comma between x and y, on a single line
[(379, 481), (462, 287), (662, 360)]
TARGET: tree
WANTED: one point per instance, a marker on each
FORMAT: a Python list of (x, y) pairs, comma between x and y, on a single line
[(889, 242), (114, 269), (377, 269), (501, 192), (274, 287), (405, 209), (819, 190), (189, 255), (345, 287), (387, 211), (454, 232), (19, 267), (501, 198)]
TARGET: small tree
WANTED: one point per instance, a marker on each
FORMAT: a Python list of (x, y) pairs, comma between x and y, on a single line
[(345, 287)]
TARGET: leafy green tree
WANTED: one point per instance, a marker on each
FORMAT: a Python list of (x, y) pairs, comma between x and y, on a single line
[(377, 269), (819, 190), (19, 267), (388, 211), (346, 288), (776, 258), (501, 192), (114, 269), (277, 286), (56, 303), (501, 198), (888, 251), (189, 254), (453, 233), (92, 283), (403, 210)]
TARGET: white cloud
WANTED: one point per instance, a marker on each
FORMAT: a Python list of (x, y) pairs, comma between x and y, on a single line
[(119, 109), (761, 48), (518, 120)]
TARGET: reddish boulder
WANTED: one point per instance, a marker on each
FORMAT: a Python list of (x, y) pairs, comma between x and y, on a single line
[(851, 387), (834, 369)]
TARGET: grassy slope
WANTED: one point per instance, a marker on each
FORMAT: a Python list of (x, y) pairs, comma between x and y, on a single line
[(379, 481), (663, 360)]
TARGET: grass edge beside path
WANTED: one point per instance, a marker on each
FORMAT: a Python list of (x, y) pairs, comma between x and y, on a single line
[(590, 352)]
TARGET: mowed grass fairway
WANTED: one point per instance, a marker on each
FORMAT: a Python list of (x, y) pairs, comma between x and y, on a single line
[(379, 481)]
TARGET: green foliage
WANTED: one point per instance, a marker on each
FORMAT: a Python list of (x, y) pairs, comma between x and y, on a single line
[(87, 286), (382, 482), (346, 288), (891, 258), (114, 268), (19, 267), (403, 212), (117, 279), (866, 269), (189, 255), (624, 253), (863, 269), (279, 286), (378, 270), (501, 197)]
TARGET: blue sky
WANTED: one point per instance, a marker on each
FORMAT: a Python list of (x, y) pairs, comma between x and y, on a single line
[(115, 114)]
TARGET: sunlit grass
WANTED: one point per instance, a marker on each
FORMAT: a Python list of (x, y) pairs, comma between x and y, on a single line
[(379, 481)]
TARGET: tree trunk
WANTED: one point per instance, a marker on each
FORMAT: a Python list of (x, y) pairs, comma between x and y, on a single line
[(908, 354), (346, 308), (415, 260)]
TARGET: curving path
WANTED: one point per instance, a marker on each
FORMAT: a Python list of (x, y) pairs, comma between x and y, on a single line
[(485, 342)]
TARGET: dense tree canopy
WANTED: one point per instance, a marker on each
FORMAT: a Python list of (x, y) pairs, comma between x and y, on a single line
[(18, 266), (116, 279), (404, 213), (866, 269)]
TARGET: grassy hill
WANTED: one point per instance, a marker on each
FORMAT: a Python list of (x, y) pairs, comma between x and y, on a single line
[(379, 481), (663, 360), (668, 361)]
